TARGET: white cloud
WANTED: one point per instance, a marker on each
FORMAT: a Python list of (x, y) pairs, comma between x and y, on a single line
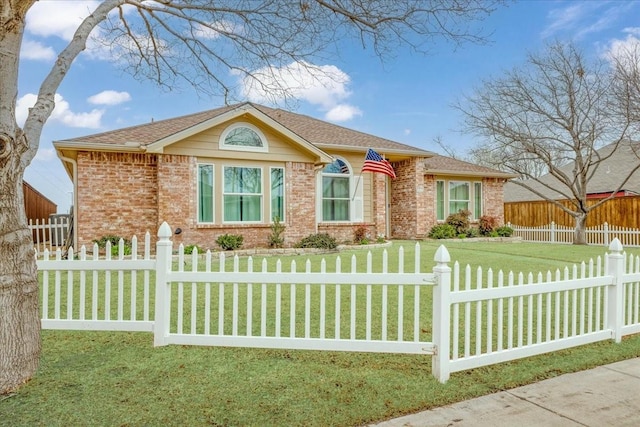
[(632, 30), (55, 19), (61, 113), (584, 18), (342, 113), (109, 97), (36, 50), (621, 50), (322, 85), (407, 131)]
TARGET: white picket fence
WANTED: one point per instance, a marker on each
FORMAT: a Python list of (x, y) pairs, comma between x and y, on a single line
[(215, 301), (49, 233), (602, 234)]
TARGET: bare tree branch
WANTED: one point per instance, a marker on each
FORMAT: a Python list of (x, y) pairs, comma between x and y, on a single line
[(546, 121)]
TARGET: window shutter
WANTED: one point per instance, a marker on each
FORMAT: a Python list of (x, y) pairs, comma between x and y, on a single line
[(357, 204)]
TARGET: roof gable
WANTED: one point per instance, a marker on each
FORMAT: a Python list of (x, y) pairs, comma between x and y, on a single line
[(313, 134)]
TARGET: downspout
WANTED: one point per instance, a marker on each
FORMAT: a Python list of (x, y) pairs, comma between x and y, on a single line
[(74, 164)]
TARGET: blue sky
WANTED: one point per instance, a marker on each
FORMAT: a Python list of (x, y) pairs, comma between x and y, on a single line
[(406, 98)]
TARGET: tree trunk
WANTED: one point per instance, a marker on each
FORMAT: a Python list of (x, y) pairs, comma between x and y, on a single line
[(580, 234), (19, 315)]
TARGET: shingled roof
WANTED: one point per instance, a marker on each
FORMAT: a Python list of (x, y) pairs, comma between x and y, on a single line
[(438, 165), (319, 133), (606, 178)]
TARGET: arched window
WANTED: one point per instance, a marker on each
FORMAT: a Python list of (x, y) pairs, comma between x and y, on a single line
[(336, 191), (243, 137)]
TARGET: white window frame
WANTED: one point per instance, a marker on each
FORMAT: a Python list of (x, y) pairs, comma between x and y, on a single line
[(213, 193), (356, 205), (447, 198), (284, 194), (260, 220), (445, 208), (477, 184), (225, 133)]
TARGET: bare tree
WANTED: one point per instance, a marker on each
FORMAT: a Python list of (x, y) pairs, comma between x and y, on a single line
[(200, 41), (552, 115)]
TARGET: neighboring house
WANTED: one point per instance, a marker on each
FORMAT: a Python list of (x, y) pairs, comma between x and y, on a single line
[(605, 180), (233, 169)]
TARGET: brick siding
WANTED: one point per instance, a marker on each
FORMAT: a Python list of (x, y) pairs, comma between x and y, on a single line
[(117, 195), (127, 194), (493, 198), (408, 200)]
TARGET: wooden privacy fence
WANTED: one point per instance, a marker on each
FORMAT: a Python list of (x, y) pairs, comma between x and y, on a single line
[(622, 211), (599, 235), (346, 305)]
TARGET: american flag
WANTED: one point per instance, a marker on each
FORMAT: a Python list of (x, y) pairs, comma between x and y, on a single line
[(374, 162)]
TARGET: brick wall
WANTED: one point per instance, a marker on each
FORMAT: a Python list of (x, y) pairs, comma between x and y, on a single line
[(408, 202), (300, 199), (379, 211), (430, 216), (177, 206), (176, 196), (117, 195), (493, 198)]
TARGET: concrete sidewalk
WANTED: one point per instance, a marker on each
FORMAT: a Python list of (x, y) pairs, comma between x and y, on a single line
[(605, 396)]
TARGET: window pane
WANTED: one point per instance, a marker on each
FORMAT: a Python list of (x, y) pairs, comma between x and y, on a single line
[(242, 180), (243, 136), (459, 191), (205, 193), (334, 187), (242, 208), (458, 196), (477, 200), (335, 210), (338, 166), (440, 200), (277, 194), (242, 194)]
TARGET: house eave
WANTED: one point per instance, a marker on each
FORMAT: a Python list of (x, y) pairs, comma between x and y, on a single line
[(128, 147), (447, 172), (384, 151)]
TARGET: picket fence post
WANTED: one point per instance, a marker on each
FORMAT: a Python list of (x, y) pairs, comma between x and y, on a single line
[(606, 233), (615, 293), (441, 315), (553, 232), (164, 250)]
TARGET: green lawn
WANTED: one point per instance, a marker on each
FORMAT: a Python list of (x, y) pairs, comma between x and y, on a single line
[(104, 378)]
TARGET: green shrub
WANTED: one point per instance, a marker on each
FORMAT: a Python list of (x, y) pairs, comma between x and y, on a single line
[(442, 231), (487, 224), (230, 242), (460, 221), (380, 239), (188, 250), (275, 238), (504, 231), (472, 232), (319, 241), (115, 242)]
